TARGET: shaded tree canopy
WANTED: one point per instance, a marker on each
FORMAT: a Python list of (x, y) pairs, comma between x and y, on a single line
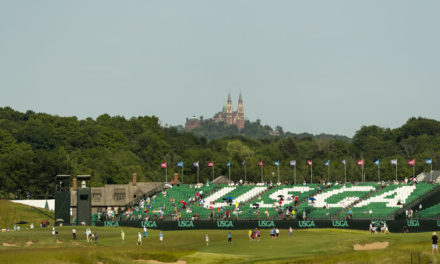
[(34, 147)]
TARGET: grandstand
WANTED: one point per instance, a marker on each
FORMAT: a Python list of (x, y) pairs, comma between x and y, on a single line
[(313, 201)]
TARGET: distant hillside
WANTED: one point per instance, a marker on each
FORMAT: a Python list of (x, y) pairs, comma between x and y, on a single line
[(212, 130), (10, 211)]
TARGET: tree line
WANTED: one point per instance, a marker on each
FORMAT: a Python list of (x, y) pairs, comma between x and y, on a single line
[(34, 147)]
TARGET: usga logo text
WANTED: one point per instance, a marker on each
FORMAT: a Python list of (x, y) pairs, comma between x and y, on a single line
[(149, 224), (185, 224)]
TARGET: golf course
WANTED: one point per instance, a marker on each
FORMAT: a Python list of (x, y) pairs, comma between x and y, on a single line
[(304, 246)]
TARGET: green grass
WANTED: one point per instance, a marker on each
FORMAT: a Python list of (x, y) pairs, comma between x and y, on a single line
[(305, 246), (10, 211)]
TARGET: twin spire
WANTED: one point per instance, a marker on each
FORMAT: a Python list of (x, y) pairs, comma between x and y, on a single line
[(229, 104)]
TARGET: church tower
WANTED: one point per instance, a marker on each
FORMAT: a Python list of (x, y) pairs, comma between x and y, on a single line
[(229, 114), (240, 114)]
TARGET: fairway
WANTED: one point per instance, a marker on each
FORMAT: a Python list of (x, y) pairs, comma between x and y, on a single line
[(305, 246)]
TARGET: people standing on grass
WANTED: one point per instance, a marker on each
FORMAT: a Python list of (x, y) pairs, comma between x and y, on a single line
[(207, 240), (145, 232), (96, 238), (258, 234), (87, 235), (229, 238), (122, 237), (139, 242), (160, 237), (74, 233), (290, 231), (250, 234), (277, 232), (434, 242)]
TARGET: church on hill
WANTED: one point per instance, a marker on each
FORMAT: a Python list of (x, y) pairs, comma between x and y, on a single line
[(227, 116)]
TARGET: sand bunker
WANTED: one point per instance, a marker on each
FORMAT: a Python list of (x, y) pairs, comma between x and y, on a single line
[(371, 246), (29, 243), (159, 262), (8, 245), (59, 242)]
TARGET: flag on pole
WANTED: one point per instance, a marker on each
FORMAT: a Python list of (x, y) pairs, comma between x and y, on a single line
[(196, 164), (360, 162), (179, 164), (260, 164), (412, 162), (211, 164), (293, 163), (309, 162), (327, 163), (428, 161), (228, 164), (394, 162), (344, 162), (163, 165), (377, 162), (277, 163)]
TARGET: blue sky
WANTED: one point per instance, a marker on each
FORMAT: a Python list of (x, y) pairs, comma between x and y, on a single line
[(309, 66)]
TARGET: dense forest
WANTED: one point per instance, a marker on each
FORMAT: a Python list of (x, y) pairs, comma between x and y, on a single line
[(212, 130), (34, 147)]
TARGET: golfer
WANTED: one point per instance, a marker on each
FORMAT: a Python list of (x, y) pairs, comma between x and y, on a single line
[(139, 239), (207, 240), (434, 242)]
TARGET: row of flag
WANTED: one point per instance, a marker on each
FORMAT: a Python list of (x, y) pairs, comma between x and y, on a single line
[(293, 163), (411, 162)]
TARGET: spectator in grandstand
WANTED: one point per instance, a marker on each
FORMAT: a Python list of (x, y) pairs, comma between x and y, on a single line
[(296, 200), (304, 215), (434, 242), (267, 215), (235, 212)]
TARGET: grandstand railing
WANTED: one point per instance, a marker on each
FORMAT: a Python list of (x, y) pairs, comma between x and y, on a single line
[(152, 192), (336, 215), (414, 204)]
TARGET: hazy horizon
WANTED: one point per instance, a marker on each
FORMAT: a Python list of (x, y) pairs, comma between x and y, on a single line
[(316, 67)]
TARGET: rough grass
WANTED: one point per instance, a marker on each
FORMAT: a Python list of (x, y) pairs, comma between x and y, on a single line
[(10, 211), (305, 246)]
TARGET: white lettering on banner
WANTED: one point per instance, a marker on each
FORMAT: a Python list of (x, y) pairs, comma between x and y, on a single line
[(285, 192), (399, 194), (217, 195), (322, 197), (242, 198)]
